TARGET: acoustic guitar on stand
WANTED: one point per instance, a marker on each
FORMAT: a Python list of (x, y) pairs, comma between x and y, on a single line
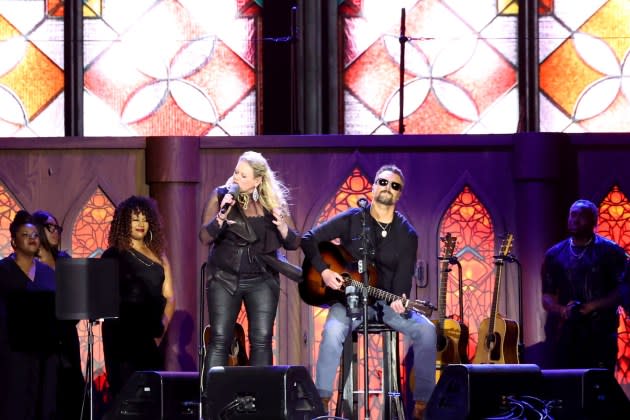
[(452, 335), (314, 292), (498, 336)]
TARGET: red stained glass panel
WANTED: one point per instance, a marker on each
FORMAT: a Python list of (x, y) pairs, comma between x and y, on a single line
[(8, 208), (469, 221), (614, 224)]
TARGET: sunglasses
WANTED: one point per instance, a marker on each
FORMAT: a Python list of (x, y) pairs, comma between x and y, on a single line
[(52, 228), (384, 183)]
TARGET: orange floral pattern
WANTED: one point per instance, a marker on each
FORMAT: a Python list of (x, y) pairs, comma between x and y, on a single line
[(8, 208), (614, 224)]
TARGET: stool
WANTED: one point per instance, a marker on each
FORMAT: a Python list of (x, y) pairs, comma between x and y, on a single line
[(348, 396)]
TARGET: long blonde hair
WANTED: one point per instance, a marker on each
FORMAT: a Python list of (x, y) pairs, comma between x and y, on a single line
[(273, 193)]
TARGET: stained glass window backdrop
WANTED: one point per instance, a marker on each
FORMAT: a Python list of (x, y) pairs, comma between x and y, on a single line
[(31, 69), (8, 208), (468, 220), (91, 228), (171, 67), (614, 224), (460, 66), (584, 66), (89, 240)]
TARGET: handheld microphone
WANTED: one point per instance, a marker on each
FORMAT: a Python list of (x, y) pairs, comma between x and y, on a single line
[(362, 203), (233, 191), (353, 308)]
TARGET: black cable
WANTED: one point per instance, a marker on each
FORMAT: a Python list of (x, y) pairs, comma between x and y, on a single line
[(200, 343)]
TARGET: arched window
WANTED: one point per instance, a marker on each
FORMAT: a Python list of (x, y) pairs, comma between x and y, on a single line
[(89, 239), (91, 228), (469, 221), (8, 208), (614, 224)]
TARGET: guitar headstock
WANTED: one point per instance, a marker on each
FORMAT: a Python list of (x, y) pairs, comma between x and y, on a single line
[(423, 307), (449, 242), (506, 246)]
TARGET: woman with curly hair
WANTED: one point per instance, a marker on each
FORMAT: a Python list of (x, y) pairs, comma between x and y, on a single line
[(147, 303), (245, 224)]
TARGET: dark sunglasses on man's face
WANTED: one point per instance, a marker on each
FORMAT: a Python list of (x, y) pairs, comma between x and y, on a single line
[(52, 228), (384, 182)]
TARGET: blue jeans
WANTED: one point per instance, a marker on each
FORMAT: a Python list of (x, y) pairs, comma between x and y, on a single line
[(419, 328)]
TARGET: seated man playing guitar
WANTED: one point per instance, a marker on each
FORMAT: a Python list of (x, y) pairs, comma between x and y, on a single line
[(393, 243)]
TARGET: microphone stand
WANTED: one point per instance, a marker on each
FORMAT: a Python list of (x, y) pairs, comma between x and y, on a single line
[(366, 283), (401, 98), (511, 258), (293, 38)]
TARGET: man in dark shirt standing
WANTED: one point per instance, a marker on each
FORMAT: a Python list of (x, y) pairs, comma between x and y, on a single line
[(581, 279), (394, 242)]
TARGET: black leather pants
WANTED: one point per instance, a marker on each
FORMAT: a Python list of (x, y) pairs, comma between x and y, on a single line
[(261, 303)]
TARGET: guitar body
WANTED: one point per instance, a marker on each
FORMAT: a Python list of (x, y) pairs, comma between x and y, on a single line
[(237, 355), (312, 289), (503, 348), (452, 335), (452, 344)]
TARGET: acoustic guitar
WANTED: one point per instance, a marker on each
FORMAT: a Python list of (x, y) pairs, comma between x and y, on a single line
[(498, 336), (452, 335), (314, 292), (237, 355)]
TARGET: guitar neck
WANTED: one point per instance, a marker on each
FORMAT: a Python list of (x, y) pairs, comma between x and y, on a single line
[(442, 295), (377, 293), (495, 297)]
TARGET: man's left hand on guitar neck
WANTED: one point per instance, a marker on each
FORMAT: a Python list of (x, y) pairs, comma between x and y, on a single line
[(398, 305)]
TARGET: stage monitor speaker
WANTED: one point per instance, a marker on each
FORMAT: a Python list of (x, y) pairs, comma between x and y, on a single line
[(155, 395), (261, 392), (584, 394), (479, 391)]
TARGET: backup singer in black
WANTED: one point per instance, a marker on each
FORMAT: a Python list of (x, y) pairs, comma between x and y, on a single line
[(28, 328), (70, 377), (147, 301)]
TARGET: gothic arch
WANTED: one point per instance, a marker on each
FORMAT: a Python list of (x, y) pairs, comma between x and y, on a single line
[(330, 189), (12, 206), (78, 204)]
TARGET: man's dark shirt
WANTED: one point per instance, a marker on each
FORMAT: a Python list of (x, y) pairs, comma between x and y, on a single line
[(394, 256), (583, 274)]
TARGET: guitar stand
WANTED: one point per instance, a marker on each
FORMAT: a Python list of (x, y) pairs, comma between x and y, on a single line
[(511, 258)]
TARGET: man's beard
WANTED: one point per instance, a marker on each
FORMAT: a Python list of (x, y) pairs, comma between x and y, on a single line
[(385, 198)]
